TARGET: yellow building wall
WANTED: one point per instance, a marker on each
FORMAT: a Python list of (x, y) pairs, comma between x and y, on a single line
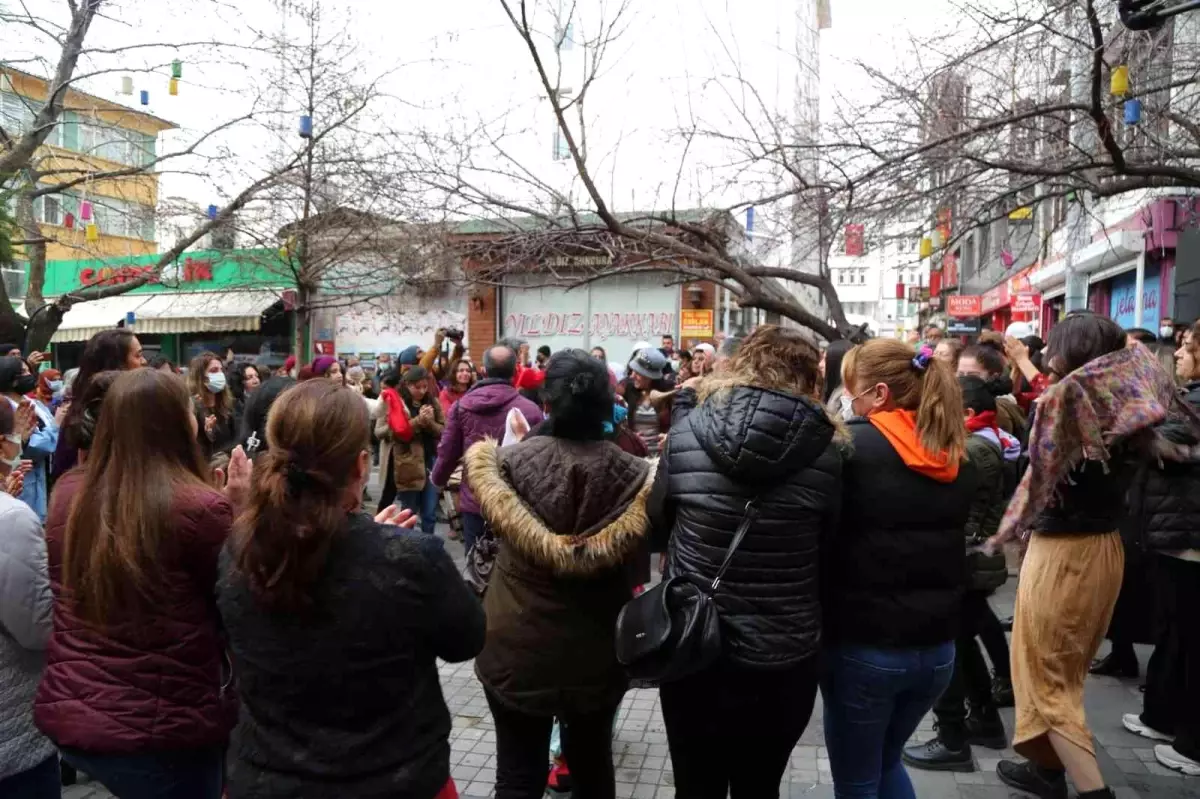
[(141, 189)]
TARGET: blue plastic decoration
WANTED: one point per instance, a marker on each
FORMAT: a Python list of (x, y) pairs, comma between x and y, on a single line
[(1133, 112), (130, 318), (212, 212), (306, 127), (145, 97)]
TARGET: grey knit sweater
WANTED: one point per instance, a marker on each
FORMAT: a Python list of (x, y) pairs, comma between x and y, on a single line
[(25, 626)]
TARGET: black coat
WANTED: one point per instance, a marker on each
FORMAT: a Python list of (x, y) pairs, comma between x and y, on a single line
[(1164, 500), (751, 443), (345, 700), (897, 569), (987, 572)]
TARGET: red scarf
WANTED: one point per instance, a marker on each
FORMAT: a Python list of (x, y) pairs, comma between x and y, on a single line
[(983, 421), (397, 416)]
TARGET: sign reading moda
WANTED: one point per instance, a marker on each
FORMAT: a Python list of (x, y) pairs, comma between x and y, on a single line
[(205, 270), (964, 306)]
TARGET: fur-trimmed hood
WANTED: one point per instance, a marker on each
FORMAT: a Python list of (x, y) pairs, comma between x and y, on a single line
[(572, 507)]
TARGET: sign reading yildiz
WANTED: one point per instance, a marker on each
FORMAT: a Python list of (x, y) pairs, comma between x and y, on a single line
[(696, 323), (964, 305)]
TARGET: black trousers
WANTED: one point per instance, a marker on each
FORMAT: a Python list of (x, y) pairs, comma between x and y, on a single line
[(971, 681), (523, 753), (991, 635), (731, 730), (1172, 701)]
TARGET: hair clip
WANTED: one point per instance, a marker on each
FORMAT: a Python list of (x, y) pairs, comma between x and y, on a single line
[(921, 360)]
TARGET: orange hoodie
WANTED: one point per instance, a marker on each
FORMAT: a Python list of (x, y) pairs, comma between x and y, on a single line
[(899, 427)]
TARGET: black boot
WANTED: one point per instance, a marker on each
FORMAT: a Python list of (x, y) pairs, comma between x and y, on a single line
[(1026, 776), (1120, 662), (1103, 793), (985, 728), (938, 755)]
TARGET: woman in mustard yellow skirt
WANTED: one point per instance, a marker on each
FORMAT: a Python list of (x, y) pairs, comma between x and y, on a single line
[(1104, 401)]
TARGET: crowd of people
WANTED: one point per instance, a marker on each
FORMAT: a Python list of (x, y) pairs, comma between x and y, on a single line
[(195, 604)]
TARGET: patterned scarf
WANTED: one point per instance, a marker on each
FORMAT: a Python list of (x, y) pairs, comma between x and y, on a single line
[(1109, 399)]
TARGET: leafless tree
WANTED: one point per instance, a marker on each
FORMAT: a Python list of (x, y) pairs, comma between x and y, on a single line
[(30, 171)]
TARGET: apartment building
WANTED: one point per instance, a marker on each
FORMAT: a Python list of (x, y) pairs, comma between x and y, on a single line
[(95, 138)]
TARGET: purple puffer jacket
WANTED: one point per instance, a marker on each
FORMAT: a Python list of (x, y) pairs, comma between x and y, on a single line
[(478, 415)]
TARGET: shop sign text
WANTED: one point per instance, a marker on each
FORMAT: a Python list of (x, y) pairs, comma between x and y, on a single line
[(600, 325)]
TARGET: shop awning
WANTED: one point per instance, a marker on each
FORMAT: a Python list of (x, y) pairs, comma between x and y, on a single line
[(191, 312)]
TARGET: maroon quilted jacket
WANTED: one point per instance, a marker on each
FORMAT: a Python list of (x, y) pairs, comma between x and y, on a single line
[(160, 682)]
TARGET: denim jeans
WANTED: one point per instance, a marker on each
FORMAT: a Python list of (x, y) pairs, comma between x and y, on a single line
[(183, 774), (423, 503), (43, 781), (873, 701)]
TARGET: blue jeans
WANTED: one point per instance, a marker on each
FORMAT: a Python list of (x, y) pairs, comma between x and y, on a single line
[(183, 774), (472, 524), (423, 503), (43, 781), (873, 701)]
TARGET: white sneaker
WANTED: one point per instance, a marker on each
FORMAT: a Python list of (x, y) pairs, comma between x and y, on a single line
[(1133, 723), (1173, 760)]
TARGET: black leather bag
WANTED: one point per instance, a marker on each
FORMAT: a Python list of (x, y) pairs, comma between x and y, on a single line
[(481, 557), (673, 630)]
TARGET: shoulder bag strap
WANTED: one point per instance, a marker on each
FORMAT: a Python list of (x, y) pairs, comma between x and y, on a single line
[(748, 517)]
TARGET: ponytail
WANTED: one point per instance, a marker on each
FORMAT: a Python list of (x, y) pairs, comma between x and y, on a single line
[(317, 434), (940, 413), (921, 384)]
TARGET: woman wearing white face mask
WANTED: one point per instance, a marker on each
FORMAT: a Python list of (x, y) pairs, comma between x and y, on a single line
[(213, 403), (40, 427)]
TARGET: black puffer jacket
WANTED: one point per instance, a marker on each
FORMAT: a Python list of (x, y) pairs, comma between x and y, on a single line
[(897, 570), (738, 445), (1164, 499)]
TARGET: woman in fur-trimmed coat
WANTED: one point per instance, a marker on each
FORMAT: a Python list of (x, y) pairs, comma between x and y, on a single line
[(570, 510)]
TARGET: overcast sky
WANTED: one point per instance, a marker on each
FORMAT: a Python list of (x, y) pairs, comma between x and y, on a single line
[(456, 64)]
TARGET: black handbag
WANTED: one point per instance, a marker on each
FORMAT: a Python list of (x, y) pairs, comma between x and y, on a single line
[(481, 557), (672, 630)]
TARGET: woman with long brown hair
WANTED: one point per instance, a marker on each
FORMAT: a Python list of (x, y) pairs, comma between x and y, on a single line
[(135, 691), (336, 621), (752, 450), (896, 569), (213, 404), (117, 349)]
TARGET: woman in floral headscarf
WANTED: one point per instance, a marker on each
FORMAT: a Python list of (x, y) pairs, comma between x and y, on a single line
[(1103, 401)]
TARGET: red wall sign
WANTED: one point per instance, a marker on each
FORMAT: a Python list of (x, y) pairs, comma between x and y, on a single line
[(193, 271), (1027, 302), (854, 240), (964, 305)]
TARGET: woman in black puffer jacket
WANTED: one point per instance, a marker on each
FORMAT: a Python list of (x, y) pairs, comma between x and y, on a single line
[(1164, 510), (750, 443)]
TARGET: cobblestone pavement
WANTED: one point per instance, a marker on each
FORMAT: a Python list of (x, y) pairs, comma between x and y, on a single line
[(644, 766)]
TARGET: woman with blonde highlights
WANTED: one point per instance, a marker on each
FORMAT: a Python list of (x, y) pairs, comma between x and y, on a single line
[(336, 621), (895, 577), (752, 448)]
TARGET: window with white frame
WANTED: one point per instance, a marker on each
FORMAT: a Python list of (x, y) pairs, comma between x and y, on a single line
[(123, 146), (16, 113), (121, 218)]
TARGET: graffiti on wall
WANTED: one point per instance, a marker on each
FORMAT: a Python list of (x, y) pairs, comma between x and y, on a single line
[(392, 331), (600, 326)]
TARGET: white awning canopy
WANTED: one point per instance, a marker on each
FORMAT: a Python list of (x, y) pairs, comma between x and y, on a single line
[(191, 312)]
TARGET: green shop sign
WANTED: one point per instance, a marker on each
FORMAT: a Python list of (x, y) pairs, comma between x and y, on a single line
[(203, 270)]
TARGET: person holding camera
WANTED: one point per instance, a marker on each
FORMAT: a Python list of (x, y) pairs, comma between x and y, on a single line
[(435, 360)]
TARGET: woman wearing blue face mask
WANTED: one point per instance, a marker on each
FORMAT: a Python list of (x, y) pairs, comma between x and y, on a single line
[(213, 404), (40, 428)]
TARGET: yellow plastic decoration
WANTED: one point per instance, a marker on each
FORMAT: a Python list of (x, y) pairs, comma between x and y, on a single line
[(1118, 84), (1024, 212), (173, 87), (92, 232), (926, 247)]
